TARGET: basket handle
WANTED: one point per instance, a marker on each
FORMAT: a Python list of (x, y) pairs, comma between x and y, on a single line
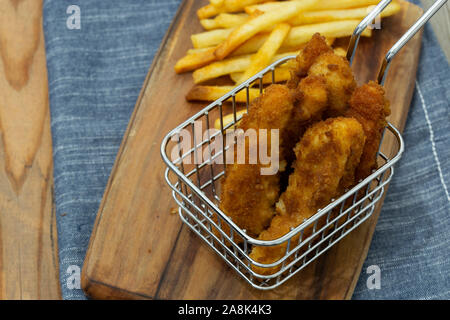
[(406, 37), (354, 40)]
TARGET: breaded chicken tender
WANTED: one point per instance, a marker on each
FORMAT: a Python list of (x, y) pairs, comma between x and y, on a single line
[(328, 151), (318, 59), (340, 81), (248, 197), (308, 55), (370, 107), (310, 102)]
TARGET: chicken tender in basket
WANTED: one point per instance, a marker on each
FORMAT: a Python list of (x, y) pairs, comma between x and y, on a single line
[(340, 81), (329, 151), (319, 59), (248, 197), (308, 55), (370, 107)]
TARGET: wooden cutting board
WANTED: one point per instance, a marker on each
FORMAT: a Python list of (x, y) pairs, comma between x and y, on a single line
[(28, 238), (140, 250)]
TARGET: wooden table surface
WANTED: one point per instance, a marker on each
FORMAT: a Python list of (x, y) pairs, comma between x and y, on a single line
[(28, 244)]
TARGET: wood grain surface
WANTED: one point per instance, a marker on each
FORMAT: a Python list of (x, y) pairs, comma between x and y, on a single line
[(140, 250), (28, 243)]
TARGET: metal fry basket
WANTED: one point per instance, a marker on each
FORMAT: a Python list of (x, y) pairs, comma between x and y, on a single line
[(196, 179)]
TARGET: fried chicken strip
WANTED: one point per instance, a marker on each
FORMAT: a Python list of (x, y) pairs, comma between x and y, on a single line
[(318, 59), (340, 81), (248, 197), (370, 107), (310, 99), (322, 82), (328, 151), (308, 55)]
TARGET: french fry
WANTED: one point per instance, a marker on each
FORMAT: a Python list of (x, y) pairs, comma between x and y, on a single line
[(301, 34), (334, 29), (228, 66), (208, 11), (296, 37), (265, 7), (248, 50), (236, 76), (281, 74), (344, 4), (253, 45), (209, 24), (195, 60), (217, 3), (229, 6), (340, 52), (210, 38), (239, 5), (343, 14), (212, 93), (267, 51), (260, 23), (320, 5), (225, 21), (215, 37), (229, 119), (221, 68), (196, 51)]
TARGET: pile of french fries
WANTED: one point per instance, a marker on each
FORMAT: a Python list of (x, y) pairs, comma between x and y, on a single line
[(242, 37)]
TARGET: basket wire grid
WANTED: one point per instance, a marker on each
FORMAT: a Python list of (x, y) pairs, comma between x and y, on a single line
[(195, 181)]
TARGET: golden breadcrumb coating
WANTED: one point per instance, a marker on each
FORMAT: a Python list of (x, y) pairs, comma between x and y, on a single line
[(317, 58), (310, 101), (248, 197), (328, 151), (370, 107), (340, 81), (308, 55)]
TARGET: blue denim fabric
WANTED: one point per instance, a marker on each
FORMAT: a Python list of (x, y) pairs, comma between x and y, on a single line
[(411, 243), (95, 75)]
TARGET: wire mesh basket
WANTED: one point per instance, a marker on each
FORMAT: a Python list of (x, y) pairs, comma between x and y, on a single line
[(196, 168)]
